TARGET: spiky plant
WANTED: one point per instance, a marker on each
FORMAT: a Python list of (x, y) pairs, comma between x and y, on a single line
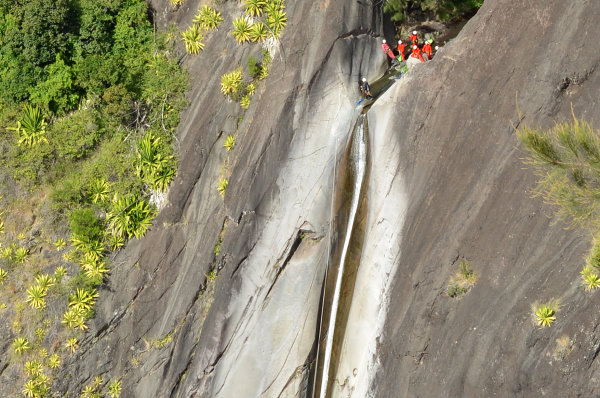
[(20, 345), (114, 389), (3, 275), (30, 389), (264, 72), (276, 20), (33, 367), (140, 216), (250, 89), (162, 178), (73, 318), (192, 37), (83, 300), (43, 352), (222, 186), (245, 102), (149, 159), (115, 241), (54, 361), (208, 18), (59, 272), (176, 3), (71, 344), (99, 190), (242, 29), (39, 334), (96, 271), (60, 244), (45, 281), (231, 82), (259, 32), (229, 143), (36, 297), (1, 227), (20, 255), (254, 8), (545, 314), (31, 129), (590, 278), (6, 252)]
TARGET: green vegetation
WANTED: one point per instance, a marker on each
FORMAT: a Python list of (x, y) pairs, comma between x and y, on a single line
[(114, 389), (229, 144), (208, 18), (462, 281), (442, 9), (193, 38), (544, 314), (222, 186)]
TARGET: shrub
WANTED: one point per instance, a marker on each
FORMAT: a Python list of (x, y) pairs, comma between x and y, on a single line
[(254, 8), (276, 19), (31, 129), (192, 38), (208, 18), (254, 67), (36, 297), (231, 83), (462, 281), (114, 389), (245, 102), (85, 225), (590, 278), (544, 314), (242, 29), (20, 345)]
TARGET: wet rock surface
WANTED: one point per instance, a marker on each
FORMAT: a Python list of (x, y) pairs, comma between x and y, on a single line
[(445, 182)]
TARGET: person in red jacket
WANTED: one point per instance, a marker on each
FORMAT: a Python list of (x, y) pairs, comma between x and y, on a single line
[(387, 49), (427, 50), (414, 39), (416, 53), (401, 48)]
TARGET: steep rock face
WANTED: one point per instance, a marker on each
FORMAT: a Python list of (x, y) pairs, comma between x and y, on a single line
[(161, 325), (467, 194)]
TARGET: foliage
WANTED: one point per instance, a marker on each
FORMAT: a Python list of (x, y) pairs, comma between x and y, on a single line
[(71, 344), (31, 129), (208, 18), (114, 389), (442, 9), (242, 29), (192, 37), (567, 160), (3, 275), (20, 345), (99, 190), (54, 361), (545, 314), (229, 143), (85, 226), (593, 259), (276, 19), (254, 8), (20, 254), (153, 163), (129, 216), (177, 2), (222, 185), (462, 281), (231, 83), (60, 244), (245, 102), (258, 32), (590, 278)]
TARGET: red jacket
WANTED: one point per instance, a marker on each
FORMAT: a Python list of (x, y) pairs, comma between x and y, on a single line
[(401, 48), (416, 53), (387, 50), (427, 50), (413, 38)]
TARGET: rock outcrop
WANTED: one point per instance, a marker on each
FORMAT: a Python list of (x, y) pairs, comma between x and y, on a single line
[(445, 182)]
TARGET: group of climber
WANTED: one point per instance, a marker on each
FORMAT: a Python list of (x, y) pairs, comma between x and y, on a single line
[(416, 52)]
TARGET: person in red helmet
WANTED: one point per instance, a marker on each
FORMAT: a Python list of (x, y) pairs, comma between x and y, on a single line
[(416, 53), (427, 50), (387, 49), (414, 39), (401, 49)]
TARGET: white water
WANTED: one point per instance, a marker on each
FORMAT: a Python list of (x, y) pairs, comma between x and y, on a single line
[(358, 158)]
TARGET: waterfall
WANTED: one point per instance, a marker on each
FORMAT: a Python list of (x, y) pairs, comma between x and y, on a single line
[(358, 162)]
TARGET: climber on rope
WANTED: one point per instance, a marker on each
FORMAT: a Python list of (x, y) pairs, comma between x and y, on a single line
[(414, 39), (401, 49), (416, 53), (427, 49), (387, 50), (365, 89)]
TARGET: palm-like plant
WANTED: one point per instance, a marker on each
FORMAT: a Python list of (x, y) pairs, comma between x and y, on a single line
[(6, 252), (208, 18), (149, 159), (98, 190), (276, 19), (222, 186), (20, 254), (591, 280), (60, 244), (176, 2), (162, 178), (36, 297), (254, 8), (192, 37), (82, 300), (20, 345), (545, 314), (114, 389), (140, 217), (33, 367), (44, 281), (259, 31), (229, 143), (114, 241), (96, 271), (54, 361), (71, 344), (231, 82), (30, 389), (59, 272), (245, 102), (242, 29), (73, 318), (1, 227), (32, 128), (3, 275)]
